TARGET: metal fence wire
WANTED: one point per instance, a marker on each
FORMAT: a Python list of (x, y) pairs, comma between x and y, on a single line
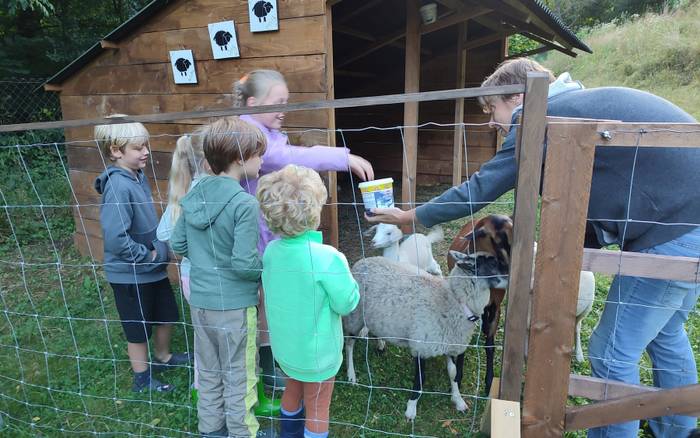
[(23, 99)]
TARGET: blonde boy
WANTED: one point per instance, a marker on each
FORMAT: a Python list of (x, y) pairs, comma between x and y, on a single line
[(134, 260), (308, 288)]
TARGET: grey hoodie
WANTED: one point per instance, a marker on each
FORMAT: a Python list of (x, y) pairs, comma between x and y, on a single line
[(663, 189), (218, 232), (129, 223)]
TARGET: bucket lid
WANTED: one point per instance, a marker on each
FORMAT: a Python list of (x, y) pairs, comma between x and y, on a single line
[(376, 182)]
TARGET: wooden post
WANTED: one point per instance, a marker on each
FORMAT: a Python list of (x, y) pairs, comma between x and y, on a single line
[(567, 178), (410, 111), (529, 153), (459, 106), (331, 218)]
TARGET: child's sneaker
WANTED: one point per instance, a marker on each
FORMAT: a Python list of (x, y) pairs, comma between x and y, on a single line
[(145, 381), (223, 432), (176, 359)]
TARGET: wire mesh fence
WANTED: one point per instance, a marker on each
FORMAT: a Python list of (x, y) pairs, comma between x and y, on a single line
[(23, 99)]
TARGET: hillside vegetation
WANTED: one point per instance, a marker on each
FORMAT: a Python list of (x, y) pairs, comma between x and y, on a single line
[(659, 53)]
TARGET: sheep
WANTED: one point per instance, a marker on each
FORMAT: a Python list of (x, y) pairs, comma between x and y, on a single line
[(182, 65), (584, 304), (429, 315), (416, 250)]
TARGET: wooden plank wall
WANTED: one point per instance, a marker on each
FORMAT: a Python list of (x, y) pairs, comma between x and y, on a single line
[(137, 79), (435, 144)]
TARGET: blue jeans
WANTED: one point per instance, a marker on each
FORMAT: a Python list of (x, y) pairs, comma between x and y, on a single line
[(644, 313)]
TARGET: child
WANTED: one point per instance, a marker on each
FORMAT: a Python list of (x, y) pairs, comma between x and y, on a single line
[(188, 166), (267, 87), (134, 261), (308, 287), (218, 232)]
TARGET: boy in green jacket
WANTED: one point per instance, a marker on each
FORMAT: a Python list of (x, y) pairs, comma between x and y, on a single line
[(308, 287), (218, 232)]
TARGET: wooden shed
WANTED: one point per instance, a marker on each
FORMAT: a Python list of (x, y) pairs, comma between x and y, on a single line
[(325, 49)]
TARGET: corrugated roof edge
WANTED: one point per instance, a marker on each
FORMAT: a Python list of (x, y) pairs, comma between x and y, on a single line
[(549, 17), (116, 35)]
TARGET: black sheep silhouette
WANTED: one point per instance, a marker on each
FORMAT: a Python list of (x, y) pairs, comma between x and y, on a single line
[(182, 65), (261, 9), (221, 38)]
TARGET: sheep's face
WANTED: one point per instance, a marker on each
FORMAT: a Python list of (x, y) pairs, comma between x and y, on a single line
[(385, 235), (485, 266)]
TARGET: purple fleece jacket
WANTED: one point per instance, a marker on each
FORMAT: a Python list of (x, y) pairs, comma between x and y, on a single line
[(279, 153)]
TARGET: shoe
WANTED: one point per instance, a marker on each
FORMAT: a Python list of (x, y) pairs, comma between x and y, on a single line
[(223, 432), (176, 359), (277, 381), (292, 426), (267, 407), (145, 381), (272, 376)]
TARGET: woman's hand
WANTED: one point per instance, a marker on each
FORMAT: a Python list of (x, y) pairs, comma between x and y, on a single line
[(361, 167), (394, 216)]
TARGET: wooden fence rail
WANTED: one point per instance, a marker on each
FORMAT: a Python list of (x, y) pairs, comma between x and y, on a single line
[(548, 383)]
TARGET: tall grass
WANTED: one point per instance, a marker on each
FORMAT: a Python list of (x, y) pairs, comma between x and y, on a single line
[(658, 53)]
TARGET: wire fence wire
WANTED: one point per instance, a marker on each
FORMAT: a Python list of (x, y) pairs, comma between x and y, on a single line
[(64, 368), (63, 363), (23, 100)]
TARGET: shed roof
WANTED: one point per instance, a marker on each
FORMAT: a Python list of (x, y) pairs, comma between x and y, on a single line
[(536, 7)]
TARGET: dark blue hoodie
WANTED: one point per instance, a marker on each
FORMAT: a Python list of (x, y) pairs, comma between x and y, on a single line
[(129, 223)]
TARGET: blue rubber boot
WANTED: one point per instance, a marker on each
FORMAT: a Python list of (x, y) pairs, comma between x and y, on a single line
[(292, 425)]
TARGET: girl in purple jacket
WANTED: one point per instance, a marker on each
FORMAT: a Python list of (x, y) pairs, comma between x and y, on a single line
[(268, 87)]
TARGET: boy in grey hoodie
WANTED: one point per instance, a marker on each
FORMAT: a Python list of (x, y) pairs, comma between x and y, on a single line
[(218, 232), (134, 261)]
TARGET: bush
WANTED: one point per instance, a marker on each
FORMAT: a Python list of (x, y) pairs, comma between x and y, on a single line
[(34, 189)]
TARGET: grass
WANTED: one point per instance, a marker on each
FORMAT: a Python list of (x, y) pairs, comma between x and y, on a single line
[(60, 374)]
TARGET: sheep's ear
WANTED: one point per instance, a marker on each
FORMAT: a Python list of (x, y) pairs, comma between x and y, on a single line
[(460, 257), (370, 231)]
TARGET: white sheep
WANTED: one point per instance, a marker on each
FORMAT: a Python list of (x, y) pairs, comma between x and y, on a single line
[(429, 315), (584, 305), (416, 250)]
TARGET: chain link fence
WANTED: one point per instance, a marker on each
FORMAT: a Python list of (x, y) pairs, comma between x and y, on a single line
[(23, 100)]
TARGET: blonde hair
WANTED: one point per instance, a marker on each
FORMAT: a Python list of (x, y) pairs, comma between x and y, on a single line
[(118, 135), (230, 139), (257, 84), (188, 163), (291, 200), (511, 72)]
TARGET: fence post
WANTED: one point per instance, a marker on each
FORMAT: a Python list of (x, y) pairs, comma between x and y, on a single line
[(567, 179), (529, 155)]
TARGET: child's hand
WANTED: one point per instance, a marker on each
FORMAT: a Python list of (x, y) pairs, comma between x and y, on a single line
[(361, 167), (154, 254)]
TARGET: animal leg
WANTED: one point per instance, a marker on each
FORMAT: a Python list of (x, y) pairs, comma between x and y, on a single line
[(455, 373), (381, 345), (488, 328), (418, 380), (579, 350), (349, 346), (435, 268)]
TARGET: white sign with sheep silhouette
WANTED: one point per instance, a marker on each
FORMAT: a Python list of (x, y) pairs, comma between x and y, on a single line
[(263, 15), (183, 66), (222, 37)]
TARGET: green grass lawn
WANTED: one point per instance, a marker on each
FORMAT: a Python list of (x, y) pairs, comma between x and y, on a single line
[(72, 374)]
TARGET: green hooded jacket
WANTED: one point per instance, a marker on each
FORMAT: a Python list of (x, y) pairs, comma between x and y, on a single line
[(218, 232), (308, 288)]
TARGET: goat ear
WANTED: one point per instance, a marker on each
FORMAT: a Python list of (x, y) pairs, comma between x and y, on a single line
[(476, 234), (370, 231)]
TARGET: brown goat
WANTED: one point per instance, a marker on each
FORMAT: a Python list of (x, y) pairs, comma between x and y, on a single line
[(492, 234)]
